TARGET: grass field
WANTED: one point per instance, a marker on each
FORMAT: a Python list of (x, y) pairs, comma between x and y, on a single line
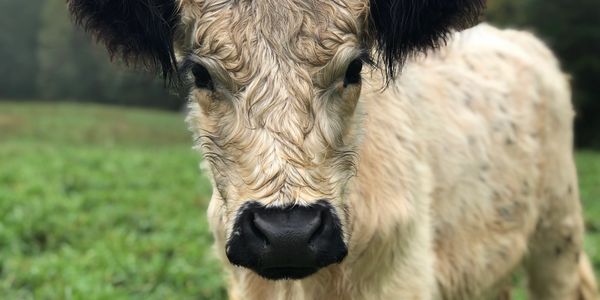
[(108, 203)]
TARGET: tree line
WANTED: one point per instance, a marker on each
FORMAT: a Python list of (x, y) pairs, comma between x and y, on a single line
[(43, 56), (572, 29)]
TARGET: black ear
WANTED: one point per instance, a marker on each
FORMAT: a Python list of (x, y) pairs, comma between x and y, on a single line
[(138, 31), (401, 27)]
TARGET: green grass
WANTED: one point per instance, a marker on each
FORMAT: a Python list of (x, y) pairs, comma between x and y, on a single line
[(588, 164), (100, 202)]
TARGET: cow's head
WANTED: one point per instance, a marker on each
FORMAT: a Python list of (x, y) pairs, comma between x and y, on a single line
[(275, 88)]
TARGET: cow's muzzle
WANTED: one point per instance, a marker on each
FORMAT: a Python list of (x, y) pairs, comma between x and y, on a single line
[(286, 243)]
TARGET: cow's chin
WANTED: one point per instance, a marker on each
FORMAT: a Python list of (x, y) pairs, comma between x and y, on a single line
[(286, 242)]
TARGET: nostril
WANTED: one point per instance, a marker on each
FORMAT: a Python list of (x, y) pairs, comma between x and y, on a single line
[(254, 227)]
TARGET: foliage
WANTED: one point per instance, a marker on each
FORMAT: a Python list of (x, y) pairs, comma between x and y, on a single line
[(108, 203), (47, 57), (19, 25), (588, 164), (506, 12), (572, 29), (79, 60), (43, 56)]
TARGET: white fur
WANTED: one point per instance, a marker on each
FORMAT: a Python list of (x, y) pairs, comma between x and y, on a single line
[(465, 173)]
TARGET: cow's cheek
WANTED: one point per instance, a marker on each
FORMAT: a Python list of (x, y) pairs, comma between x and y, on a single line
[(216, 221)]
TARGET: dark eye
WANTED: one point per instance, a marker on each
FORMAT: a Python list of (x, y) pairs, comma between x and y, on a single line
[(202, 78), (353, 72)]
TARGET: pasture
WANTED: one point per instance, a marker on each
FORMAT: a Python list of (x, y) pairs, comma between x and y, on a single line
[(102, 202)]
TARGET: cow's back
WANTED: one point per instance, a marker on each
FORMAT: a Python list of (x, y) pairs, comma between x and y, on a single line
[(488, 117)]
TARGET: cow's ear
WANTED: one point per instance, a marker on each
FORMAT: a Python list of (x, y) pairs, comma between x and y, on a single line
[(137, 31), (398, 28)]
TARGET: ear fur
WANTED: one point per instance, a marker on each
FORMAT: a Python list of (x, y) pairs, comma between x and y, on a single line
[(399, 28), (138, 31)]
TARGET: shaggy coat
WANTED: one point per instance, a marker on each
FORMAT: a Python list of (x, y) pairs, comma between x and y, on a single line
[(446, 178)]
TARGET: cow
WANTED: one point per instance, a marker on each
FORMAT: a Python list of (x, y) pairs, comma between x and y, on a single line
[(369, 149)]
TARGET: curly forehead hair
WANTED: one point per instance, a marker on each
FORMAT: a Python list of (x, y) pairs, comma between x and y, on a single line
[(147, 30)]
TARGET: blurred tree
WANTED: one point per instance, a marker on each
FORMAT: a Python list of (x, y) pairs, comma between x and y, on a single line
[(572, 29), (59, 70), (44, 56), (507, 12), (19, 24), (72, 66)]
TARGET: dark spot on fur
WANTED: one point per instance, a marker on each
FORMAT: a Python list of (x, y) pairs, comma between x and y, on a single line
[(502, 108), (509, 142), (570, 189), (482, 178), (468, 101), (539, 225), (569, 239), (558, 251), (470, 65), (505, 213), (526, 189), (501, 55), (496, 195), (472, 140)]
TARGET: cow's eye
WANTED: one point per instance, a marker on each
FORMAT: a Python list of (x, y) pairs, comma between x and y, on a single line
[(202, 78), (353, 72)]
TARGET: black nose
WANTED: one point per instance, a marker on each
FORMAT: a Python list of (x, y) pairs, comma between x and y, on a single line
[(292, 242)]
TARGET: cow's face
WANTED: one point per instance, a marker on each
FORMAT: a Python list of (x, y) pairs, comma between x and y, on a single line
[(275, 88)]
